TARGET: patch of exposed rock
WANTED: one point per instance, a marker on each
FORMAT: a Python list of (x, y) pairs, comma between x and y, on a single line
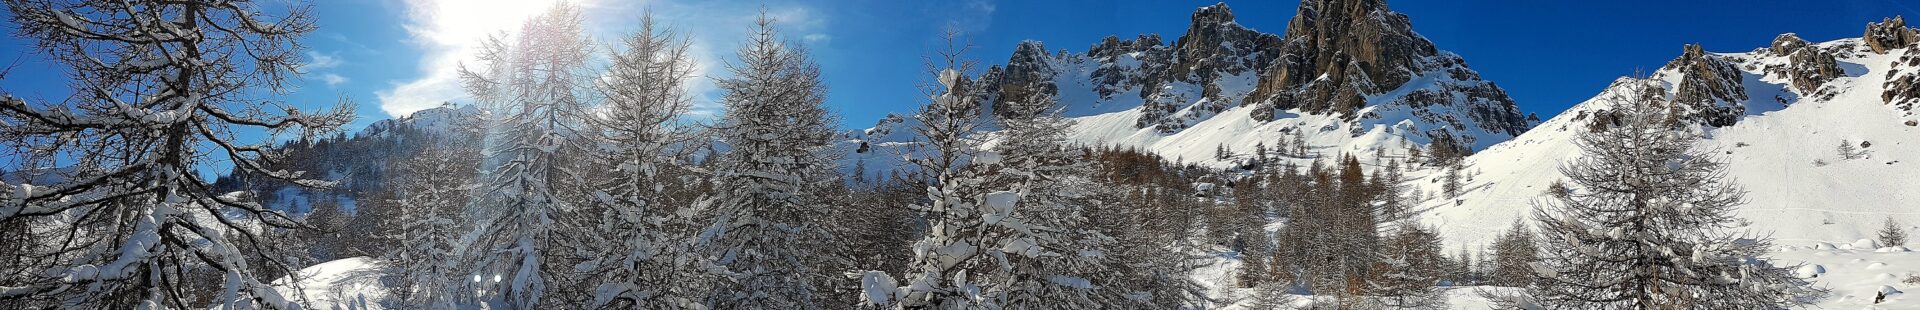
[(1889, 34), (1710, 89), (1902, 89), (1807, 67)]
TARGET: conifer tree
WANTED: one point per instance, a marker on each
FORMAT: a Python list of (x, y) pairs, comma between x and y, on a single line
[(1644, 223), (766, 232), (432, 189), (643, 260), (1892, 235), (1514, 254), (535, 87)]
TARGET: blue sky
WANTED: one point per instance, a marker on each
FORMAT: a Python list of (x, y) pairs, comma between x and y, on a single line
[(395, 56)]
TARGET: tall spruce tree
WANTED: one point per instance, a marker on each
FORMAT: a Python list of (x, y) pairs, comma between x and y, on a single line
[(1645, 223)]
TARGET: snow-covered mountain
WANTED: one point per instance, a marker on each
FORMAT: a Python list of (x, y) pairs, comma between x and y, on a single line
[(358, 162), (1776, 115), (1348, 76)]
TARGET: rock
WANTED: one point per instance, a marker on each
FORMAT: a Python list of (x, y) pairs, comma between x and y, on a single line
[(1902, 89), (1786, 43), (1710, 90), (1333, 56), (1028, 76), (1215, 45), (1808, 68), (1889, 34)]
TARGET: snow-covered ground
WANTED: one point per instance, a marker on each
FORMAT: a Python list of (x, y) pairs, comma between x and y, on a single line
[(352, 283), (1851, 271)]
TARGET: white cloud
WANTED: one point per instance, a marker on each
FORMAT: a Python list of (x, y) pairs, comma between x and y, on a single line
[(333, 80), (317, 60), (450, 31)]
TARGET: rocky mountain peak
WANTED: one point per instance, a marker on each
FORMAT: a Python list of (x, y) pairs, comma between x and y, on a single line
[(1337, 51), (1028, 75), (1216, 14), (1216, 45), (1890, 33)]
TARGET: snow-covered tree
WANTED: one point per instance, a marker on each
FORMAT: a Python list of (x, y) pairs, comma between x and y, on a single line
[(1450, 183), (535, 88), (947, 152), (160, 90), (1410, 269), (1646, 220), (1051, 257), (642, 258), (431, 190), (1514, 253), (1848, 151), (766, 237), (1892, 235)]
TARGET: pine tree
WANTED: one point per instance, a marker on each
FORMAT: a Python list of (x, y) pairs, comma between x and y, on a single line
[(765, 235), (1643, 224), (1052, 257), (535, 89), (161, 89), (1514, 254), (1451, 183), (1847, 151), (1892, 235), (643, 261), (431, 190), (1410, 269), (949, 164)]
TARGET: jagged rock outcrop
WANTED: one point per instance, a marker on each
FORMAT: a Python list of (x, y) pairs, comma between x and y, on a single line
[(1114, 75), (1215, 46), (1902, 89), (1337, 53), (1786, 43), (1710, 90), (1807, 67), (1028, 76), (1889, 34)]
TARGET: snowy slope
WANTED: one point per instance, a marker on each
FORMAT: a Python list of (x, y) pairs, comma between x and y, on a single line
[(1774, 151), (352, 283)]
